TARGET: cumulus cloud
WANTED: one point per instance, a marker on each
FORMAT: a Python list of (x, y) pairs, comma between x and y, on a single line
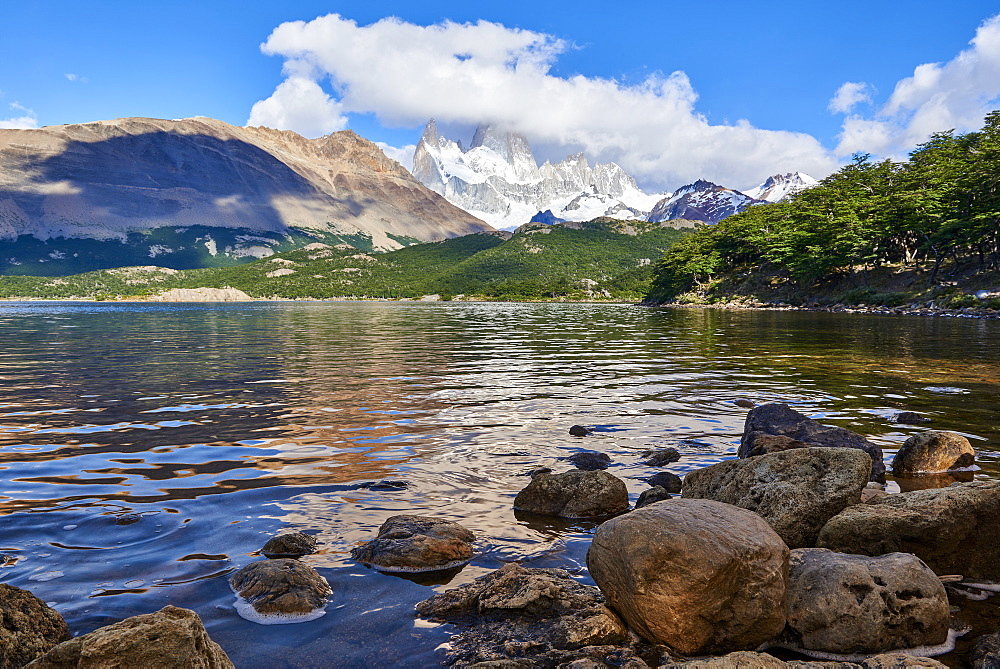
[(849, 95), (299, 104), (938, 96), (27, 119), (402, 155), (486, 72), (77, 78)]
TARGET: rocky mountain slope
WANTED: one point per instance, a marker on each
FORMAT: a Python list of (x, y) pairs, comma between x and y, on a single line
[(498, 180), (197, 191), (701, 201)]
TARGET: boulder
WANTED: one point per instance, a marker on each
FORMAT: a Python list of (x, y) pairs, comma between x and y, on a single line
[(933, 453), (28, 627), (795, 491), (579, 431), (590, 461), (651, 496), (293, 544), (986, 652), (521, 612), (667, 480), (576, 494), (279, 591), (171, 638), (952, 529), (782, 420), (661, 457), (855, 604), (417, 544), (744, 659), (697, 575), (909, 418)]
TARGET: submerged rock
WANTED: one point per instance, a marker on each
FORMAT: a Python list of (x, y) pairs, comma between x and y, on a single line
[(590, 461), (417, 544), (171, 638), (579, 431), (697, 575), (385, 484), (744, 403), (291, 545), (795, 491), (986, 652), (909, 418), (667, 480), (954, 529), (576, 494), (128, 518), (276, 592), (517, 612), (652, 496), (781, 420), (933, 453), (855, 604), (28, 627), (661, 457)]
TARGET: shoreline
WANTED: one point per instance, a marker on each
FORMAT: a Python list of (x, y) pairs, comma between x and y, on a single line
[(983, 313)]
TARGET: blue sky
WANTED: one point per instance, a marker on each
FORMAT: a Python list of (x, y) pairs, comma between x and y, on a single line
[(672, 90)]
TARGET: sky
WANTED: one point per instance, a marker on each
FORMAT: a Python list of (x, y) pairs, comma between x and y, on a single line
[(673, 91)]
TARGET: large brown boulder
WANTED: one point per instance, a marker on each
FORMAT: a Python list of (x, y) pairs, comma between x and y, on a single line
[(277, 591), (417, 544), (697, 575), (954, 529), (576, 494), (933, 453), (800, 431), (795, 491), (28, 627), (855, 604), (171, 638)]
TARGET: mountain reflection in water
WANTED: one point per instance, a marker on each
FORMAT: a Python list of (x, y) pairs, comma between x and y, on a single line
[(221, 425)]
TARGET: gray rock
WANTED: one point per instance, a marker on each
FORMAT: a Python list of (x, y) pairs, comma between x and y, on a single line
[(933, 453), (293, 544), (909, 418), (518, 612), (696, 575), (954, 529), (782, 420), (417, 544), (795, 491), (661, 457), (279, 590), (579, 431), (986, 652), (651, 496), (667, 480), (855, 604), (28, 627), (576, 494), (590, 461), (171, 638)]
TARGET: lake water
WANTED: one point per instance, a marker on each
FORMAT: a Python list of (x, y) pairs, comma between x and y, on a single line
[(223, 425)]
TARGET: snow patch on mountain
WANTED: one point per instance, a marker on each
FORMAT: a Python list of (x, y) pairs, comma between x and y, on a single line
[(780, 186), (701, 201)]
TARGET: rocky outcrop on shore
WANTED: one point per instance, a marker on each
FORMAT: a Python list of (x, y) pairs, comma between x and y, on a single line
[(28, 626), (201, 295)]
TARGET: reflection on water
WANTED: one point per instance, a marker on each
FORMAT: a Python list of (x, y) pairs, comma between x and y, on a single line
[(221, 425)]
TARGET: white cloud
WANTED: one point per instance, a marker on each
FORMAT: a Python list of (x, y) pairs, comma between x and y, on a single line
[(486, 72), (77, 78), (402, 155), (299, 104), (27, 119), (939, 96), (849, 95)]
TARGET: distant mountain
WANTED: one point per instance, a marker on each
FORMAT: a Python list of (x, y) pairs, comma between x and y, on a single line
[(498, 180), (701, 201), (778, 187), (196, 192)]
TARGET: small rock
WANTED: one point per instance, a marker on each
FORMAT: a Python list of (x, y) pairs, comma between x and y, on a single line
[(696, 575), (909, 418), (899, 661), (661, 457), (128, 518), (540, 470), (986, 652), (385, 484), (744, 404), (171, 638), (279, 591), (933, 453), (795, 491), (667, 480), (651, 496), (292, 545), (576, 494), (855, 604), (28, 627), (417, 544), (579, 431), (590, 461)]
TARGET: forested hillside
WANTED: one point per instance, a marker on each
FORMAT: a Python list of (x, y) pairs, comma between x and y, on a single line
[(875, 231)]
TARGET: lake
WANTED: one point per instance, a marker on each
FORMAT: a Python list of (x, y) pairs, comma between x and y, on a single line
[(223, 425)]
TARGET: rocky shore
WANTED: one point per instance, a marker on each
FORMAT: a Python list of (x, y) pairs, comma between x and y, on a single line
[(794, 554), (928, 309)]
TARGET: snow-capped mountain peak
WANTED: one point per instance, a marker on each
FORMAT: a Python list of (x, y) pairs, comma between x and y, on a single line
[(701, 201), (779, 186)]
